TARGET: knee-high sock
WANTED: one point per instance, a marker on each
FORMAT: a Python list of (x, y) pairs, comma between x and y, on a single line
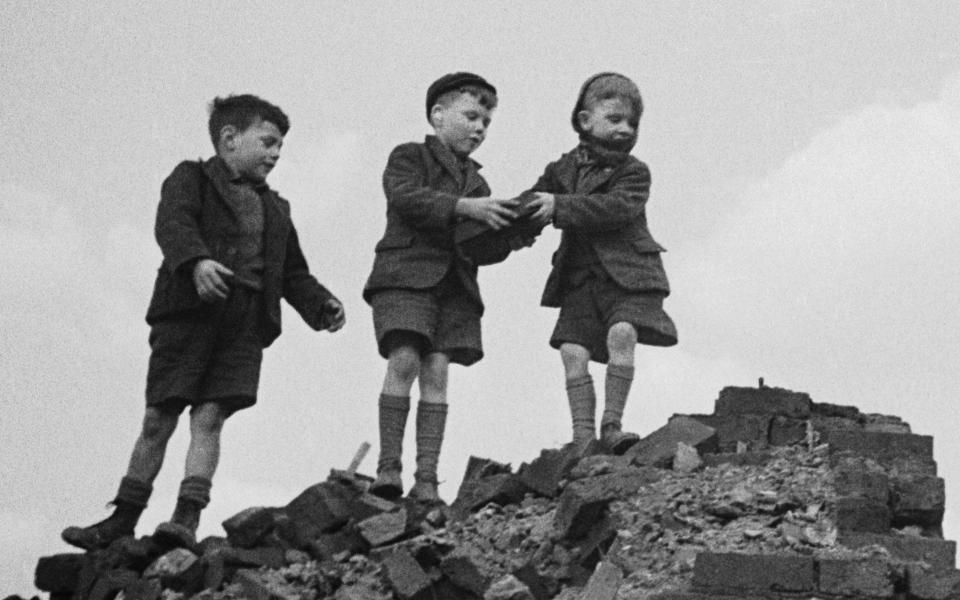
[(393, 421), (431, 423), (617, 388), (583, 406)]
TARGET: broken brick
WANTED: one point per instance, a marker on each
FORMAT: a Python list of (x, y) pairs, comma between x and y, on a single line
[(940, 554), (862, 514), (321, 508), (144, 589), (857, 577), (880, 446), (753, 430), (112, 582), (763, 401), (604, 582), (402, 573), (502, 489), (929, 584), (58, 574), (732, 572), (862, 482), (466, 570), (543, 474), (583, 502), (540, 587), (508, 587), (917, 500), (658, 448), (327, 545), (249, 526), (383, 528), (825, 409), (179, 570)]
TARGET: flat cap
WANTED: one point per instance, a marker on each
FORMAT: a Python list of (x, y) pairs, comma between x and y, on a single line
[(452, 81)]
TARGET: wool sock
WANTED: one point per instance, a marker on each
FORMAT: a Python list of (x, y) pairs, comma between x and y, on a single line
[(583, 406)]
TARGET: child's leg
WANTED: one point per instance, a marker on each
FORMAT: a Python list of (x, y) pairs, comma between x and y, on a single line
[(431, 424), (403, 367), (580, 393), (135, 488), (621, 345)]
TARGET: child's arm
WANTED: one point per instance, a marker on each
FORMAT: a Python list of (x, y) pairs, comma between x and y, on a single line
[(425, 208), (318, 307), (623, 203), (177, 227)]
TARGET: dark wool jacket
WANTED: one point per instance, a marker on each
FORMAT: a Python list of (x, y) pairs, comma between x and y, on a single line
[(422, 183), (195, 220), (608, 209)]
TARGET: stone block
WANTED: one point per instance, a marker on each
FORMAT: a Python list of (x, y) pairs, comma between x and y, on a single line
[(862, 483), (58, 574), (583, 502), (467, 570), (508, 587), (854, 513), (658, 448), (321, 508), (880, 446), (741, 459), (604, 582), (249, 526), (941, 555), (763, 401), (502, 489), (543, 474), (732, 430), (917, 500), (383, 528), (858, 577), (825, 409), (326, 545), (763, 573), (402, 574), (111, 583), (786, 431), (930, 584)]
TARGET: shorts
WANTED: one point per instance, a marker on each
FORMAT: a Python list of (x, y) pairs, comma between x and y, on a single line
[(592, 303), (439, 319), (212, 354)]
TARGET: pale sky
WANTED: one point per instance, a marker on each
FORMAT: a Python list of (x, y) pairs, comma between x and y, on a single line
[(806, 169)]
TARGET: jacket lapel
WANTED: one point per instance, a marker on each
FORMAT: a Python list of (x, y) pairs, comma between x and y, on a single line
[(474, 181), (273, 239), (567, 172), (219, 175), (446, 159)]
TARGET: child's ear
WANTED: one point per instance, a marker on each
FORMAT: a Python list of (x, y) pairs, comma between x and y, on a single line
[(436, 115), (583, 117), (228, 137)]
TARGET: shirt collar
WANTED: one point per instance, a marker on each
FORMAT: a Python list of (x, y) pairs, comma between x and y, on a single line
[(226, 174), (447, 156)]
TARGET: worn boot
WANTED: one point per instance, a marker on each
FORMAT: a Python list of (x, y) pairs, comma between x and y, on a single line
[(181, 530), (583, 405), (393, 421), (431, 423), (131, 499), (612, 437)]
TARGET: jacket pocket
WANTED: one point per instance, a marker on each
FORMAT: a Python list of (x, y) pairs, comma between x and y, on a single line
[(394, 242)]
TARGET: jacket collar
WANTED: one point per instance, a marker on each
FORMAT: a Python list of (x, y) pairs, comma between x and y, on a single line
[(465, 172), (227, 183), (568, 171)]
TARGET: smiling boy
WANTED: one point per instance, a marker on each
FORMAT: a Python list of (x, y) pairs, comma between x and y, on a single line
[(423, 291), (607, 278), (230, 252)]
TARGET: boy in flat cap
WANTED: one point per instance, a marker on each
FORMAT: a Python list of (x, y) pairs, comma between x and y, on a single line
[(608, 279), (423, 290), (230, 253)]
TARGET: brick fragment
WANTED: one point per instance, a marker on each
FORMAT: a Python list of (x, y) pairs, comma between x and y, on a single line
[(584, 502), (763, 401), (402, 573), (732, 573), (111, 583), (658, 448), (930, 584), (596, 543), (467, 570), (752, 430), (854, 513), (383, 528), (327, 545), (179, 570), (939, 554), (917, 500), (359, 592), (367, 505), (58, 574), (880, 446), (502, 489), (321, 508), (508, 587), (604, 582), (249, 526), (859, 577), (543, 474), (263, 585), (542, 588)]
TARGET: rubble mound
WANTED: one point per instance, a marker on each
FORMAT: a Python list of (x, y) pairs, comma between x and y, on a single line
[(770, 496)]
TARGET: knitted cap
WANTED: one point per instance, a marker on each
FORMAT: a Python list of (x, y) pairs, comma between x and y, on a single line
[(453, 81), (607, 82)]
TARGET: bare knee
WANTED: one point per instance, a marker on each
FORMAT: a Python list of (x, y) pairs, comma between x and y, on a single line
[(433, 373), (404, 364), (207, 419), (576, 360), (158, 425), (621, 342)]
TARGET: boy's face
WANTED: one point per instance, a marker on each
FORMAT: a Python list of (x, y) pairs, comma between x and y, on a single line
[(462, 124), (609, 120), (253, 152)]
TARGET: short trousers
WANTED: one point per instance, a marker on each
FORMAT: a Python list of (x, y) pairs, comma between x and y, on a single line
[(212, 354), (592, 303), (441, 319)]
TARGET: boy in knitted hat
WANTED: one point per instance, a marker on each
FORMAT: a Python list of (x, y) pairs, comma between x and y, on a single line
[(607, 279), (230, 252), (423, 290)]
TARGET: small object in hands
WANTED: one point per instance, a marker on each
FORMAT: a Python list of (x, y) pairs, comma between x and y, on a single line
[(485, 246), (329, 315)]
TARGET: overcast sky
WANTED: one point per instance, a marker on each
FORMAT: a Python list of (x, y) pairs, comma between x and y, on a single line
[(806, 169)]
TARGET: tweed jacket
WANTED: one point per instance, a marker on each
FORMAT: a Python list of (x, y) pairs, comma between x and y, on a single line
[(195, 220), (608, 209), (422, 183)]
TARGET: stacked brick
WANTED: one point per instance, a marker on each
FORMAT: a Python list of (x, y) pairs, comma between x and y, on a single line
[(552, 527)]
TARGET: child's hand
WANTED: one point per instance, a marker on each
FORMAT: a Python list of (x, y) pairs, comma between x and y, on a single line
[(208, 276), (545, 205), (334, 315), (496, 213)]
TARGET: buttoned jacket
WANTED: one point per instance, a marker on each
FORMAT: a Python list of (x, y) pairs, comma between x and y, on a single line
[(196, 219), (608, 210), (422, 183)]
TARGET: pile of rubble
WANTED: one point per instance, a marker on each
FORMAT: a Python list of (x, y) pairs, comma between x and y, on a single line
[(770, 496)]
